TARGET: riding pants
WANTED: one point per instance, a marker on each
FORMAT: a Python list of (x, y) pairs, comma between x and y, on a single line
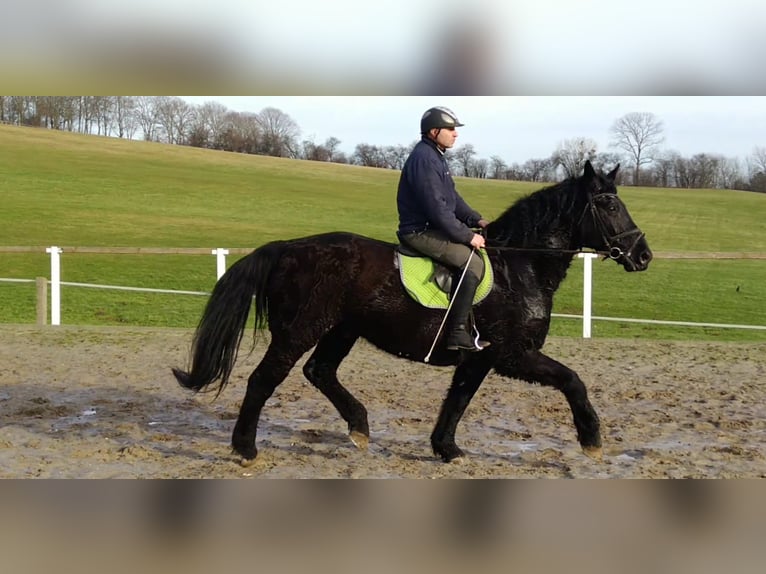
[(437, 246)]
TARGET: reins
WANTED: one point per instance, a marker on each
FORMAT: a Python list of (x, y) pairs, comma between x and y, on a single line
[(548, 251)]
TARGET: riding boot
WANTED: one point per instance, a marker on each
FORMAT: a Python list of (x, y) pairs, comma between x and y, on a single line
[(458, 337)]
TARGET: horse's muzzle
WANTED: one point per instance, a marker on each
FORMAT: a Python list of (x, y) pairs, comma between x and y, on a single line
[(636, 260), (636, 256)]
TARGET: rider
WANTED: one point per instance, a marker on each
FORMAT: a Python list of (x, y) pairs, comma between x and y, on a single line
[(436, 221)]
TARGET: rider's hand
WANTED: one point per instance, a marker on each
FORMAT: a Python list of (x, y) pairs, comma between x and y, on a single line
[(478, 242)]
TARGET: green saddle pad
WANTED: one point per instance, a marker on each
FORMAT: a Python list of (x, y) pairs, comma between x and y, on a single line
[(418, 279)]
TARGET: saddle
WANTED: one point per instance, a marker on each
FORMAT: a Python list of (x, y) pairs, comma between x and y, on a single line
[(429, 283)]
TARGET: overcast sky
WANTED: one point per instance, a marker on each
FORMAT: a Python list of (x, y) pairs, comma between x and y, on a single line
[(518, 128)]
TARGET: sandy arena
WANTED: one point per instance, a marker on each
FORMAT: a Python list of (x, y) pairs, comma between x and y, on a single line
[(102, 403)]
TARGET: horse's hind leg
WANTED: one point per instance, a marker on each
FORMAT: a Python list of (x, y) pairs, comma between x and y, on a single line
[(538, 368), (322, 371), (273, 369)]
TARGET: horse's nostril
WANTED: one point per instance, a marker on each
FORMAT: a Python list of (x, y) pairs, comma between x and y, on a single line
[(646, 257)]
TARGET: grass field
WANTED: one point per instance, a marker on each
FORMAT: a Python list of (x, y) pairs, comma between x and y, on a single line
[(86, 191)]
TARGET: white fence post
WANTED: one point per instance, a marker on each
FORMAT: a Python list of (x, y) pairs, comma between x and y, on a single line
[(587, 303), (221, 257), (55, 284)]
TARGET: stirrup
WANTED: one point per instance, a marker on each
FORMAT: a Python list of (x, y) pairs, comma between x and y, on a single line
[(463, 341), (478, 343), (475, 347)]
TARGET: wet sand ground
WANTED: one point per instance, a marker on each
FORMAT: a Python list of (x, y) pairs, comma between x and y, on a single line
[(102, 403)]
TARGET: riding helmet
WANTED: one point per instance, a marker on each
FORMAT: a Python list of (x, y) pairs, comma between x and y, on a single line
[(439, 118)]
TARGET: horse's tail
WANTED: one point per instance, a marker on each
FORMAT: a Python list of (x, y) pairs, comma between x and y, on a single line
[(220, 331)]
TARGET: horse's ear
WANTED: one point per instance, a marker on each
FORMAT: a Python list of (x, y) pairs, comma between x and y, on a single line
[(613, 174), (590, 173)]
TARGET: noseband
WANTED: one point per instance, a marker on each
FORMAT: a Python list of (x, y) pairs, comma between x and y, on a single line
[(615, 252)]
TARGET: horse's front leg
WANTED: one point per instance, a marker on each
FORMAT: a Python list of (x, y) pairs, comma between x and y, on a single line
[(467, 380), (535, 367)]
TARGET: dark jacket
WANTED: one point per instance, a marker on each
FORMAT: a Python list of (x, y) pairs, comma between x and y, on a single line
[(428, 199)]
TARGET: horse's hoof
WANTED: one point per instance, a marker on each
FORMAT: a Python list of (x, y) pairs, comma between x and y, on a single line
[(361, 441), (594, 452), (246, 456), (246, 462), (452, 455)]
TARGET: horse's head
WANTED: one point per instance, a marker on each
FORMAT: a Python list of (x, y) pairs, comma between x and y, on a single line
[(606, 224)]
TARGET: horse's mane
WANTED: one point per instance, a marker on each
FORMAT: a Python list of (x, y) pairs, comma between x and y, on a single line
[(538, 220)]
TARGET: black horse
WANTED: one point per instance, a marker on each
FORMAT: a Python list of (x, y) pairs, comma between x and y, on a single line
[(329, 290)]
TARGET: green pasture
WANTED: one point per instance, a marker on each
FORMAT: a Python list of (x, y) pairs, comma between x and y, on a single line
[(86, 191)]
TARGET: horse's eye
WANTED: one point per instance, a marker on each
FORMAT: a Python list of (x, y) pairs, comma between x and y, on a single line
[(609, 204)]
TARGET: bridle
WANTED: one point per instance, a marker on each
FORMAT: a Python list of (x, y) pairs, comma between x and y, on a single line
[(615, 252)]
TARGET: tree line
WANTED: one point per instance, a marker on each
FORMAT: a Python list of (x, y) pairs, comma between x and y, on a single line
[(637, 141)]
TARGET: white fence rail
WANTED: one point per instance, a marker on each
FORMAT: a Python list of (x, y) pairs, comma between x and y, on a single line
[(221, 255)]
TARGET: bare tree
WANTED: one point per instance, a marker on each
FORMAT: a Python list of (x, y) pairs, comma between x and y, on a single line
[(757, 167), (312, 151), (729, 173), (341, 157), (639, 135), (698, 172), (68, 110), (124, 116), (241, 133), (498, 167), (571, 155), (538, 170), (146, 114), (210, 122), (52, 112), (664, 168), (396, 156), (369, 156), (175, 116), (332, 144), (607, 161), (84, 113), (758, 183), (249, 127), (480, 169), (757, 161), (163, 106), (462, 157), (25, 109), (683, 174), (103, 112), (705, 167), (326, 152), (279, 132)]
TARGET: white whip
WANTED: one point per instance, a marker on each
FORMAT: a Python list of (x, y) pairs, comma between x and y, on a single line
[(452, 301)]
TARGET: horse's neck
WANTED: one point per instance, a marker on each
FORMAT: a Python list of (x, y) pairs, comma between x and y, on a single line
[(557, 241), (549, 253), (539, 223)]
